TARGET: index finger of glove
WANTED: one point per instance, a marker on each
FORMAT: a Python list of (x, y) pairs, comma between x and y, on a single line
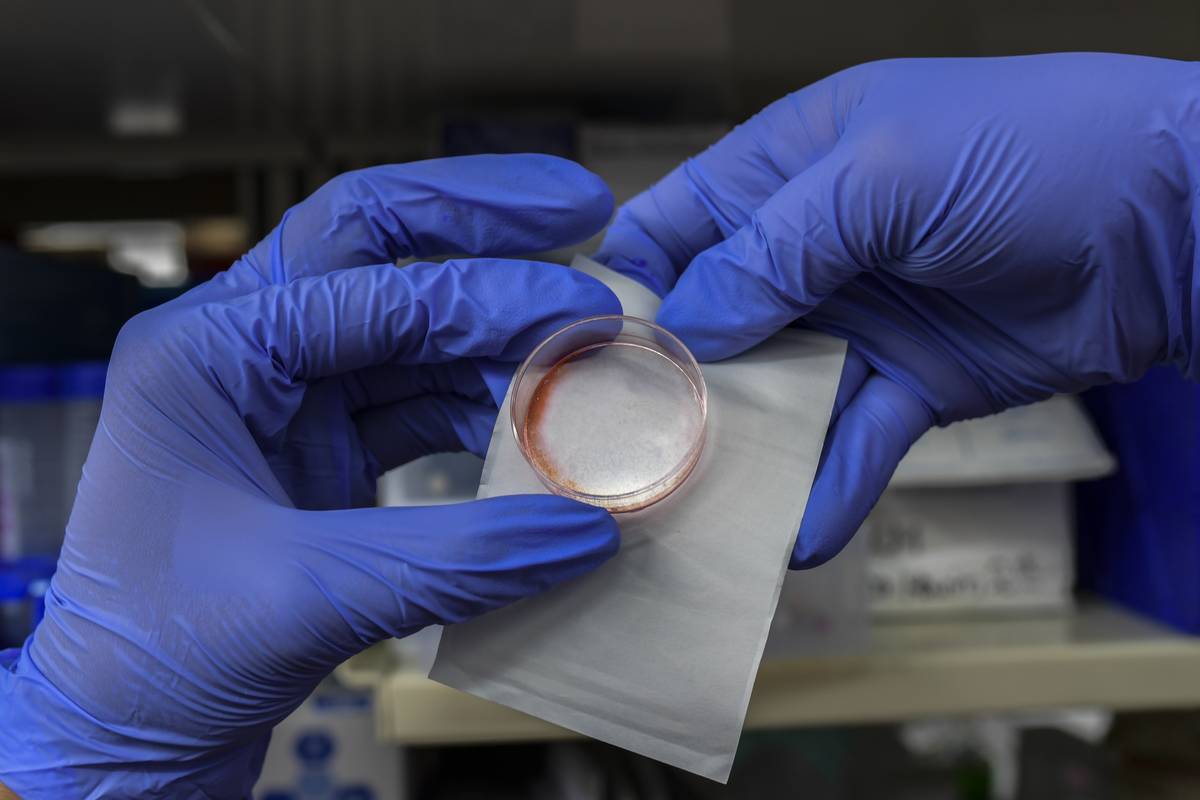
[(495, 205)]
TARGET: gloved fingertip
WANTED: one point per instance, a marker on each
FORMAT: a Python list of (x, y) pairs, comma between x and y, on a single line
[(593, 297), (541, 540), (591, 200), (809, 559), (579, 537), (691, 322), (592, 529), (866, 443), (629, 250), (597, 201), (830, 521)]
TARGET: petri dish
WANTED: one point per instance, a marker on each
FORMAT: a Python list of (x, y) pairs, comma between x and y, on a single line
[(611, 411)]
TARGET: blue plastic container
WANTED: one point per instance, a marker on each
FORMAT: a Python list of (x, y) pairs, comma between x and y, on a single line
[(23, 586), (30, 454), (22, 384), (1139, 530)]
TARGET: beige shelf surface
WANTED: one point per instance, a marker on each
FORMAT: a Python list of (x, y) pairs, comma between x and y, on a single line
[(1096, 655)]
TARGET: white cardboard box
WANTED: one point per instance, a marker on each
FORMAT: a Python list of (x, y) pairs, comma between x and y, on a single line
[(981, 548), (979, 514)]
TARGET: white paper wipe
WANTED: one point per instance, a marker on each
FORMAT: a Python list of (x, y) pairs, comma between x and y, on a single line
[(657, 650)]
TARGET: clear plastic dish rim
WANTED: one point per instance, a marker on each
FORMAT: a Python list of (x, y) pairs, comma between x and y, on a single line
[(679, 473)]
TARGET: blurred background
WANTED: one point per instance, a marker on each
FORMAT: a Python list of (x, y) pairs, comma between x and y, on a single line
[(1019, 617)]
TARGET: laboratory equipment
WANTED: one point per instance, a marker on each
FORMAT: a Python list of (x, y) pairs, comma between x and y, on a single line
[(611, 411), (31, 512), (47, 417)]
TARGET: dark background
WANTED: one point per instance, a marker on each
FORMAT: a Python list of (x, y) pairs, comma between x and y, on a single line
[(273, 97)]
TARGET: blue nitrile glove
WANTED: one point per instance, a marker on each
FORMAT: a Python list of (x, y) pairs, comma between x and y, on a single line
[(217, 565), (984, 232)]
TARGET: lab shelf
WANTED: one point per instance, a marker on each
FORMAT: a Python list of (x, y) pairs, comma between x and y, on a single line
[(72, 154), (1097, 655)]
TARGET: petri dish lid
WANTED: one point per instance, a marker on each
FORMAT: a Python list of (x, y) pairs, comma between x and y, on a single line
[(611, 411)]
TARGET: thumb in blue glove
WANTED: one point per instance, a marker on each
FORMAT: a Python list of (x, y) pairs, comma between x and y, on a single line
[(216, 564), (984, 232)]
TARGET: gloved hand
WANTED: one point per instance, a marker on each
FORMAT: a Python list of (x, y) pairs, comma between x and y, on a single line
[(984, 232), (212, 573)]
